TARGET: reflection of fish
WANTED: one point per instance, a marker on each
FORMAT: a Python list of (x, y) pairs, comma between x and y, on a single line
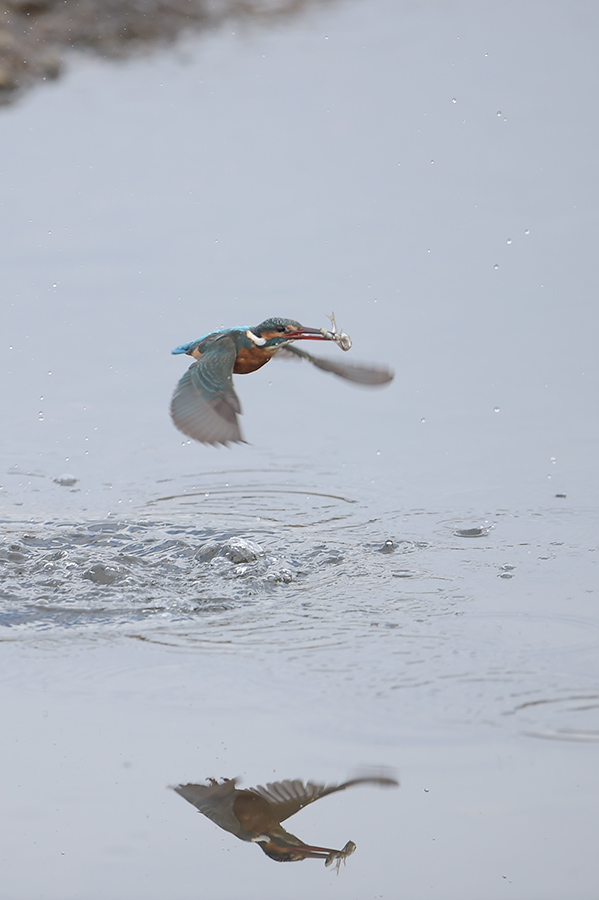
[(205, 406), (256, 814)]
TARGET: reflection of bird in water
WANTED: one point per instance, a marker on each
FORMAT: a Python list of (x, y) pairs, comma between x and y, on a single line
[(256, 814), (205, 405)]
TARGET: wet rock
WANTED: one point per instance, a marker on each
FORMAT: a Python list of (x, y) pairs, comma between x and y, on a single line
[(474, 532)]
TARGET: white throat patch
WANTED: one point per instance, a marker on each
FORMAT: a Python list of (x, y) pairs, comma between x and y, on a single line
[(260, 342)]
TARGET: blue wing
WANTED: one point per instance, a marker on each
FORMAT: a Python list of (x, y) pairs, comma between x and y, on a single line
[(205, 405), (212, 336)]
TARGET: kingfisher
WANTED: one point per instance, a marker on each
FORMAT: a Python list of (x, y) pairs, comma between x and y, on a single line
[(256, 814), (205, 406)]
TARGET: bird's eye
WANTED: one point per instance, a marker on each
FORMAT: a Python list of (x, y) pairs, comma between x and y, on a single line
[(281, 328)]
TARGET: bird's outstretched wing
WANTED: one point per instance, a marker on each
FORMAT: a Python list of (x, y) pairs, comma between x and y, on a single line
[(359, 373), (288, 797), (214, 800), (205, 405)]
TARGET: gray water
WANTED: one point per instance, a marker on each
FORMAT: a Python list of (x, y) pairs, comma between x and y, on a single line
[(401, 579)]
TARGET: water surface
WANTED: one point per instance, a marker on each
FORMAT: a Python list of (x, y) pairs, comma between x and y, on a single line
[(402, 578)]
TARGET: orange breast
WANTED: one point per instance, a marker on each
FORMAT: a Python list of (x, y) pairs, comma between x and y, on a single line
[(251, 358)]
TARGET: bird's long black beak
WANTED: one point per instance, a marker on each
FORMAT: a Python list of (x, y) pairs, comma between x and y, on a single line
[(308, 334)]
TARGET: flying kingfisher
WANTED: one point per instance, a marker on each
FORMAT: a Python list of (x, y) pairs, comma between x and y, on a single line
[(256, 814), (205, 406)]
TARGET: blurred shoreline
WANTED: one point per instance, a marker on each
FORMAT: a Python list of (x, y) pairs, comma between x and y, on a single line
[(36, 35)]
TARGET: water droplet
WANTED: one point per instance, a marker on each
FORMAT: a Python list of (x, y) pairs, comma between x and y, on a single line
[(553, 460), (388, 547), (432, 162), (527, 231), (509, 241), (49, 373), (40, 416), (499, 113), (496, 266), (496, 409), (453, 100), (422, 421), (378, 452)]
